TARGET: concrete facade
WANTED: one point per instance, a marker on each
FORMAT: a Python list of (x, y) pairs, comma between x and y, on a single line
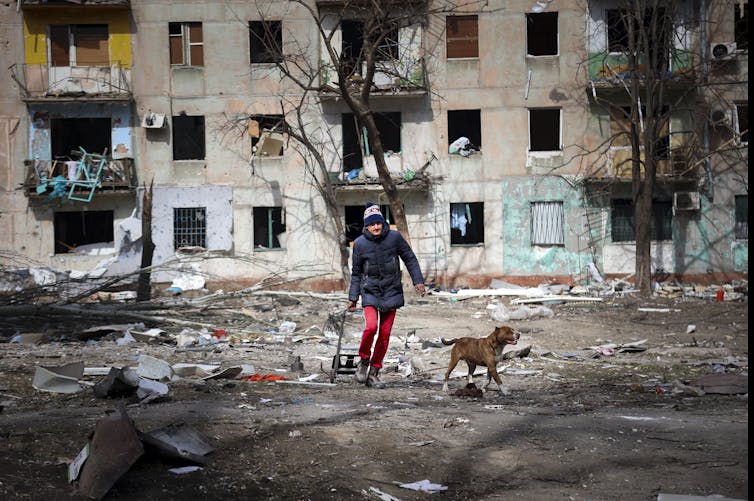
[(506, 181)]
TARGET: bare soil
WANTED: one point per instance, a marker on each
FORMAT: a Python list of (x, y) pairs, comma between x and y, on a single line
[(571, 424)]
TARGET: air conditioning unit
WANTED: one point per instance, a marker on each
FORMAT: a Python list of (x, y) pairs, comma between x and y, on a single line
[(686, 201), (722, 51), (153, 121), (720, 117)]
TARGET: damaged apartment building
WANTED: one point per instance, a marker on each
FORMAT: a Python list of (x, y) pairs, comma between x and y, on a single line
[(497, 122)]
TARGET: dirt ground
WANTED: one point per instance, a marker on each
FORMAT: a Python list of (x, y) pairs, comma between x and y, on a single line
[(572, 424)]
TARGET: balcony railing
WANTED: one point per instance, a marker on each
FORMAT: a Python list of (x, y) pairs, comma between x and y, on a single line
[(78, 179), (676, 166), (52, 83)]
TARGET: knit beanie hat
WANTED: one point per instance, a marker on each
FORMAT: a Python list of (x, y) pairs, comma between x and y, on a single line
[(372, 214)]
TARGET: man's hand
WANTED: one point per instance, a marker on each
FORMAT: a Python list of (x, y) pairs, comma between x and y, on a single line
[(351, 306), (420, 289)]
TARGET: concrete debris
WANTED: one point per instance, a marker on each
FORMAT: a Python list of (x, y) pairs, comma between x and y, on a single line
[(59, 379)]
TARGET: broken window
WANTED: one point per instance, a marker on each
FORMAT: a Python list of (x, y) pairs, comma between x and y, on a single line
[(355, 219), (189, 227), (188, 137), (741, 26), (547, 223), (79, 45), (462, 36), (266, 41), (356, 140), (542, 34), (622, 221), (467, 223), (620, 133), (742, 123), (544, 129), (621, 24), (268, 226), (465, 123), (186, 44), (266, 132), (742, 217), (74, 229), (68, 134)]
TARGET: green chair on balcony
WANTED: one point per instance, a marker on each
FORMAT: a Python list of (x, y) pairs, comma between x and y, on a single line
[(88, 174)]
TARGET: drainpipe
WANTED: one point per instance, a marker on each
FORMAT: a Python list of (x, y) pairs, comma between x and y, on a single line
[(706, 132)]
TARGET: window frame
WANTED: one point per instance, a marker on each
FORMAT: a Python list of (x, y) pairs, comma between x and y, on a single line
[(741, 27), (355, 142), (538, 25), (262, 32), (542, 212), (61, 233), (191, 50), (270, 219), (456, 39), (741, 217), (473, 213), (473, 132), (742, 138)]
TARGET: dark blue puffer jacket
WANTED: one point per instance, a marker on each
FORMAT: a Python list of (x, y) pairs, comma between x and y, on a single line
[(376, 272)]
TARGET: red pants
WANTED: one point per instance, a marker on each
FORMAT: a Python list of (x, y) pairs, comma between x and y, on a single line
[(382, 321)]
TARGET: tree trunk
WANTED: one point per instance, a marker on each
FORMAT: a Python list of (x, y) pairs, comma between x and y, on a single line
[(143, 287)]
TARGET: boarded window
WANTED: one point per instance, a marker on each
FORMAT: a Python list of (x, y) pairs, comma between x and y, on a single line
[(60, 45), (742, 123), (189, 227), (542, 34), (465, 123), (544, 129), (462, 33), (356, 141), (266, 41), (186, 44), (622, 221), (741, 26), (547, 223), (742, 217), (268, 225), (74, 229), (467, 223), (355, 219), (68, 134), (188, 137)]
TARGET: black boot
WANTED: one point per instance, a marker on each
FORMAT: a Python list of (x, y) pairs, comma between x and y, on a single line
[(373, 380), (361, 371)]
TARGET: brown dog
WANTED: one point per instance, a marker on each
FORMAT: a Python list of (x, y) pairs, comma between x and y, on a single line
[(480, 351)]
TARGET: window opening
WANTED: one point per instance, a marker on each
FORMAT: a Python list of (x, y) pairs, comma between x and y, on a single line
[(620, 20), (79, 45), (622, 221), (68, 134), (462, 36), (266, 41), (464, 124), (188, 137), (542, 34), (266, 133), (356, 140), (189, 227), (741, 26), (268, 226), (74, 229), (186, 44), (355, 219), (547, 223), (544, 129), (742, 123), (742, 217), (467, 223)]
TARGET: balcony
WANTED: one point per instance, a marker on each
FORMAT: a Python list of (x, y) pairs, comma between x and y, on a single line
[(36, 4), (608, 71), (43, 83), (678, 167), (80, 179)]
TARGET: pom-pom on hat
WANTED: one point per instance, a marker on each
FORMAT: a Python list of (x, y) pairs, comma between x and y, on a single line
[(372, 214)]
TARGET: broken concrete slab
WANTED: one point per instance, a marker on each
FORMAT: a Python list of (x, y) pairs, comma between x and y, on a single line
[(113, 449), (178, 441)]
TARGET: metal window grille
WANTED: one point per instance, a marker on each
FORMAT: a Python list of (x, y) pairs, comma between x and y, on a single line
[(622, 221), (547, 223), (742, 217), (189, 227)]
